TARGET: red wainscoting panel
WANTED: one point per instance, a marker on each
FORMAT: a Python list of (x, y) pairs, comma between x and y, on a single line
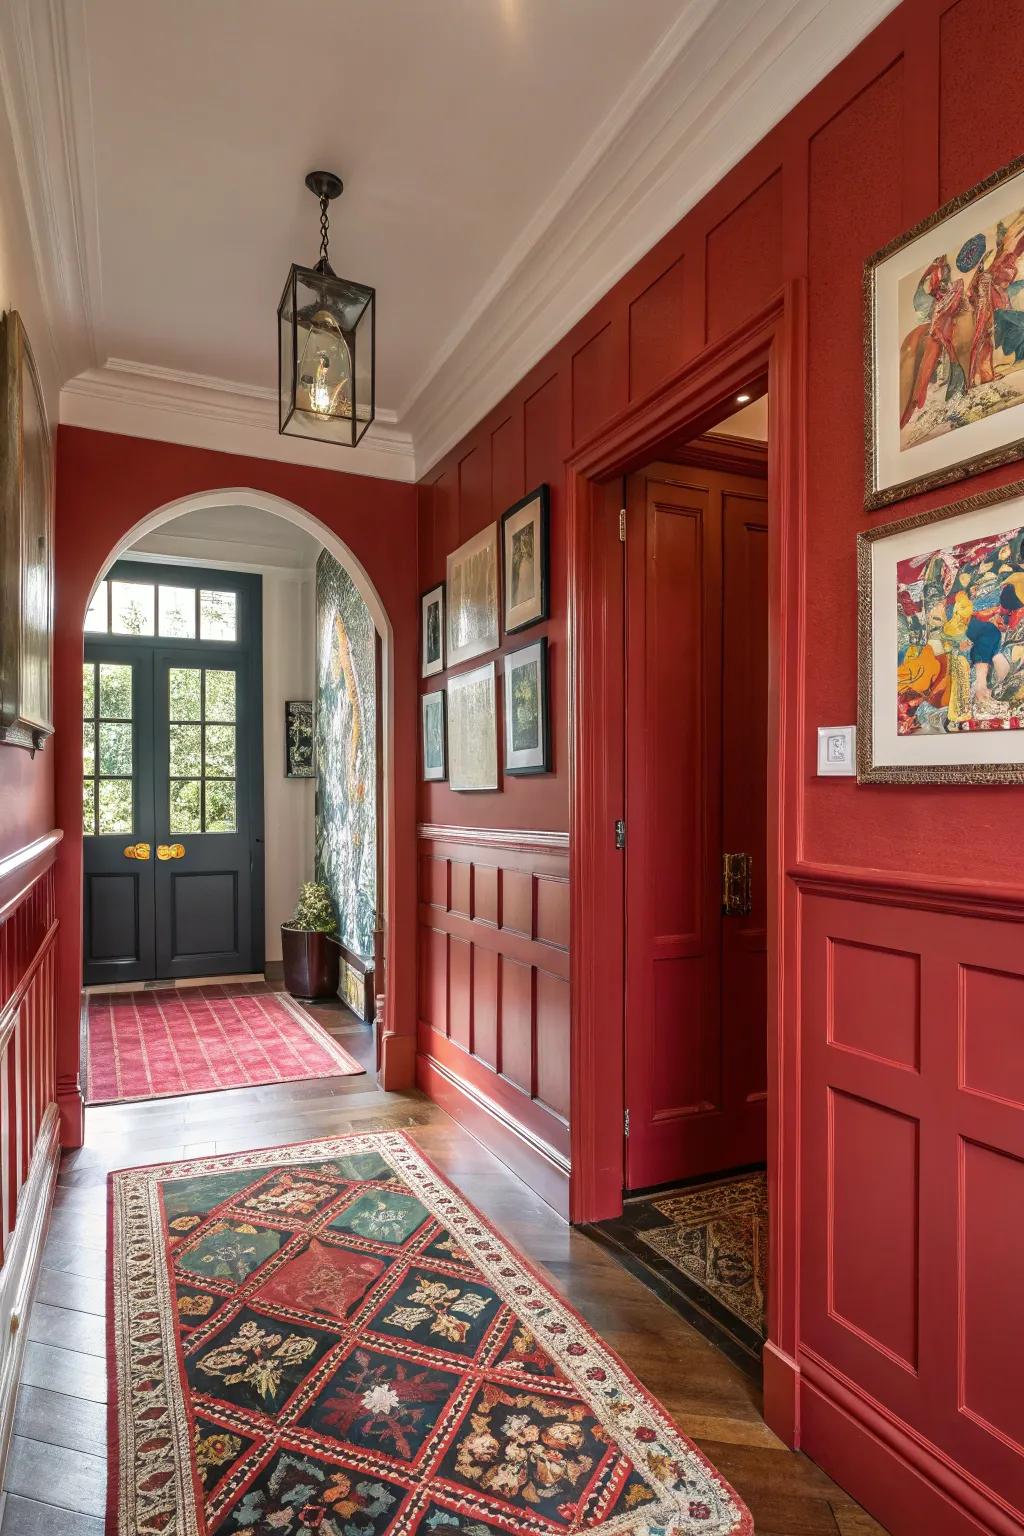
[(912, 1245), (494, 989)]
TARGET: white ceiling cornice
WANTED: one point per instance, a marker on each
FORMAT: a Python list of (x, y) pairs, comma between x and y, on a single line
[(720, 83), (203, 412)]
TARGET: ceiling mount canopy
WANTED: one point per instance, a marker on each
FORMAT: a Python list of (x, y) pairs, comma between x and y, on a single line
[(325, 343)]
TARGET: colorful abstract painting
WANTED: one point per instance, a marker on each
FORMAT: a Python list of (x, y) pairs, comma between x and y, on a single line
[(327, 1338), (960, 636), (346, 754)]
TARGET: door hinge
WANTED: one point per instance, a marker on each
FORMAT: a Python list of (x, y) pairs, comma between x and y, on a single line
[(620, 834), (622, 525), (625, 1123)]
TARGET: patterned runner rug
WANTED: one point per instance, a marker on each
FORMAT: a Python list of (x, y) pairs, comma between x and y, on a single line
[(151, 1045), (327, 1338)]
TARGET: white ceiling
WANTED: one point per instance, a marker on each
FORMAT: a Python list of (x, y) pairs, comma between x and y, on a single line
[(237, 535), (504, 160)]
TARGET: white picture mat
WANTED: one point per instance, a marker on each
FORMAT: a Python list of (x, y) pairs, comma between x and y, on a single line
[(484, 605), (473, 744), (960, 748), (892, 465)]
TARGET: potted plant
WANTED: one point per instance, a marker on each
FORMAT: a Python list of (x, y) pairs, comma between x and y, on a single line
[(310, 953)]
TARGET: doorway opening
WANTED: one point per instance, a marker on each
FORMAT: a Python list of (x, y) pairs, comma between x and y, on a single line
[(694, 1222), (231, 658)]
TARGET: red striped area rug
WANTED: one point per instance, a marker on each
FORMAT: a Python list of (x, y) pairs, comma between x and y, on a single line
[(152, 1045), (328, 1338)]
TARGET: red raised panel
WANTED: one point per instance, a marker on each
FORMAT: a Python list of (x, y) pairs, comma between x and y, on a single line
[(596, 384), (553, 912), (517, 1024), (970, 146), (434, 881), (732, 282), (460, 994), (553, 1042), (875, 1002), (460, 888), (434, 978), (992, 1330), (474, 492), (992, 1033), (517, 901), (506, 464), (485, 894), (485, 1005), (656, 330), (873, 1184)]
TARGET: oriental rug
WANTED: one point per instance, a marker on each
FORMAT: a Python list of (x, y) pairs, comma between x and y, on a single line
[(154, 1044), (328, 1338)]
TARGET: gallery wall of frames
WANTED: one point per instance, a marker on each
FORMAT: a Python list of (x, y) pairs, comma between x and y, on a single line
[(885, 208)]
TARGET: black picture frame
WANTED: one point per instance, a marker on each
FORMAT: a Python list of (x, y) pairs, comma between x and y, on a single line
[(439, 775), (298, 718), (432, 666), (510, 623), (542, 753)]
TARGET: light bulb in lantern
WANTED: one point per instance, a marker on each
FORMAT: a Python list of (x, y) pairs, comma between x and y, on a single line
[(325, 371)]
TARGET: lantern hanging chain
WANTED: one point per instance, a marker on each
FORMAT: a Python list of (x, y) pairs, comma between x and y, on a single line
[(324, 227)]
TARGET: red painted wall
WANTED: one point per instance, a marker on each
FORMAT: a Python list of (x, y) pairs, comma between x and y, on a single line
[(901, 1171), (105, 485)]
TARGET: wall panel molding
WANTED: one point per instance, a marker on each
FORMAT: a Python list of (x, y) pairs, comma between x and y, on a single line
[(514, 838), (20, 869)]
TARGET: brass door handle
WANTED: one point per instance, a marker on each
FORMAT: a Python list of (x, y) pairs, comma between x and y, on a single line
[(736, 871), (170, 851), (137, 851)]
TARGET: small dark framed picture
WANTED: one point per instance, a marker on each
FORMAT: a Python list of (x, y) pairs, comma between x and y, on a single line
[(432, 631), (524, 542), (435, 763), (298, 739), (527, 733)]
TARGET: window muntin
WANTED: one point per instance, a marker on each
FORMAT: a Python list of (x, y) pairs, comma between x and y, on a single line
[(170, 610), (202, 750)]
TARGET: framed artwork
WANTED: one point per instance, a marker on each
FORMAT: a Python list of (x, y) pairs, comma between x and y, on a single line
[(944, 344), (298, 739), (432, 631), (435, 766), (527, 737), (524, 538), (473, 729), (472, 592), (941, 632), (26, 545)]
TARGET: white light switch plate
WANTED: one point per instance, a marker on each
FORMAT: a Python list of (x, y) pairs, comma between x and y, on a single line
[(837, 750)]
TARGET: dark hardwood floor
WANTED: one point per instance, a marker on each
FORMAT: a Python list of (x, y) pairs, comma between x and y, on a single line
[(56, 1474)]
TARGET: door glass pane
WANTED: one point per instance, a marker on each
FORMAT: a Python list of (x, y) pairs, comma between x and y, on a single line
[(220, 805), (89, 689), (131, 608), (88, 806), (186, 805), (88, 747), (185, 693), (220, 751), (115, 748), (186, 751), (96, 618), (217, 616), (115, 691), (178, 612), (115, 802), (220, 695)]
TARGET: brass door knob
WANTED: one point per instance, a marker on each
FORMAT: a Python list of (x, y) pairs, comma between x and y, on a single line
[(137, 851), (170, 851)]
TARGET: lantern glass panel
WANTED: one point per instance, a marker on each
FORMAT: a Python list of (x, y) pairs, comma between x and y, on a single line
[(326, 370)]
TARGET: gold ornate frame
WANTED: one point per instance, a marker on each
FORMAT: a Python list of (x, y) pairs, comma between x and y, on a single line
[(874, 497), (931, 773), (20, 724)]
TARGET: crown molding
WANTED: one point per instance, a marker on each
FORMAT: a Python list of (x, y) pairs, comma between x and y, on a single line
[(46, 93), (140, 400), (726, 74)]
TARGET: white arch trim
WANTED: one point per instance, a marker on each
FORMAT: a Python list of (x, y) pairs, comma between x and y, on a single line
[(262, 501)]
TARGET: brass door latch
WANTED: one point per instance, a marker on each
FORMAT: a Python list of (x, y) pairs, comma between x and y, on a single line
[(137, 851), (170, 851), (736, 868)]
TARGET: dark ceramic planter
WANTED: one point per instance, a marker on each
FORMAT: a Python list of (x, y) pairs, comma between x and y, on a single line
[(311, 963)]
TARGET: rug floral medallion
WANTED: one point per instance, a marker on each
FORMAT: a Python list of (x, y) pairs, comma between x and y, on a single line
[(327, 1338)]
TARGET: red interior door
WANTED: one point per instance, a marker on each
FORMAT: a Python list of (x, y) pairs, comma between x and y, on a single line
[(696, 718)]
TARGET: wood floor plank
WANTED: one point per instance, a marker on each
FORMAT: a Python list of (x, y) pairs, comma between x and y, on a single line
[(73, 1479), (57, 1419), (27, 1517), (65, 1370), (82, 1293), (80, 1331)]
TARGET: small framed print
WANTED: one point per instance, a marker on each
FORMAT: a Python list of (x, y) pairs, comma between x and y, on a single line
[(472, 597), (435, 766), (432, 631), (473, 729), (527, 736), (944, 344), (941, 645), (298, 739), (524, 538), (837, 751)]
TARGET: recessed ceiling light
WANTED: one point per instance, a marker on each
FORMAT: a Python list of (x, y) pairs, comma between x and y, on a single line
[(742, 399)]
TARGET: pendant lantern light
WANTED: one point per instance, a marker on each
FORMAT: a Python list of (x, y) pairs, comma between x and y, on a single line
[(325, 343)]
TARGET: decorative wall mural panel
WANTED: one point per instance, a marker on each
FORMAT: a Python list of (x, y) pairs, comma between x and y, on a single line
[(346, 754), (472, 590)]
